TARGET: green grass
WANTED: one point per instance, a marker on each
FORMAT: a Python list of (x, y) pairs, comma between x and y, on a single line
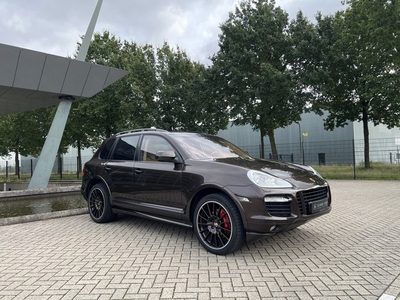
[(378, 171)]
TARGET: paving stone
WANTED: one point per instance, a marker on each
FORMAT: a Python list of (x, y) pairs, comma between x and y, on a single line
[(351, 253)]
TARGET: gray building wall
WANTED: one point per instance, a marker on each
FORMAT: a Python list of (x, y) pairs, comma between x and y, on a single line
[(384, 143), (307, 136), (310, 143)]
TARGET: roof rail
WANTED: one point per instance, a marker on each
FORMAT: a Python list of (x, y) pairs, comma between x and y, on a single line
[(140, 130)]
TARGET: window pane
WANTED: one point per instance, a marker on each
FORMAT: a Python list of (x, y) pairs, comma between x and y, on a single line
[(105, 152), (200, 146), (126, 147), (151, 145)]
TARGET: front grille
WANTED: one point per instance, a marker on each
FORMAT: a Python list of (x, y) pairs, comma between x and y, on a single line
[(278, 209), (304, 197)]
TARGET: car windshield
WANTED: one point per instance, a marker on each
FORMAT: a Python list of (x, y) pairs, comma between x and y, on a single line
[(200, 146)]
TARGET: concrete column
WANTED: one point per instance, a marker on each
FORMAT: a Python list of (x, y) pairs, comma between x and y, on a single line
[(41, 175)]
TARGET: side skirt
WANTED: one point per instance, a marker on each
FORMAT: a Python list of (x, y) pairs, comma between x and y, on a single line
[(152, 217)]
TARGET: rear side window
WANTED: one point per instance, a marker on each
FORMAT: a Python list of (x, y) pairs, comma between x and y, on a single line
[(125, 148), (106, 150)]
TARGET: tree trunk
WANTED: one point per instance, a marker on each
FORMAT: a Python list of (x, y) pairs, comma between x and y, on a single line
[(271, 135), (366, 137), (79, 169), (262, 133), (59, 162), (108, 132), (16, 160)]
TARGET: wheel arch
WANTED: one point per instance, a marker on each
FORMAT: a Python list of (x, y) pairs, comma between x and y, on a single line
[(215, 190), (93, 182)]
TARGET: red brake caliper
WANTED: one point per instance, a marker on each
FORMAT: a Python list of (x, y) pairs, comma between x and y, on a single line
[(226, 223)]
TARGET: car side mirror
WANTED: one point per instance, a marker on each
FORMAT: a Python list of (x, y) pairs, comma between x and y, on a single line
[(165, 155)]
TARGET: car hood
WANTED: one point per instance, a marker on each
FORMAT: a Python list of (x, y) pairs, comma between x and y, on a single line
[(296, 174)]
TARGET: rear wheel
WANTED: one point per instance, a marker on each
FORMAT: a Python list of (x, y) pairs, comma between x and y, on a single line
[(99, 204), (218, 224)]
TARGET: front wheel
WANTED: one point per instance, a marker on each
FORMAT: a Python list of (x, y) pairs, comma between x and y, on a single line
[(99, 204), (218, 224)]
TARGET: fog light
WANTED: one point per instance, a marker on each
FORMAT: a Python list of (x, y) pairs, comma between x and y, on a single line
[(272, 228), (277, 199)]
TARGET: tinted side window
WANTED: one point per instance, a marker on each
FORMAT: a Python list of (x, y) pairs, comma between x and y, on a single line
[(125, 148), (105, 151), (151, 144)]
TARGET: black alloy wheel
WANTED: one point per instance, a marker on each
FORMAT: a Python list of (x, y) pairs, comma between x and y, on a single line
[(218, 224), (99, 204)]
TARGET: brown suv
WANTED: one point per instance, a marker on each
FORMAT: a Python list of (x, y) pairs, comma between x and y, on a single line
[(201, 181)]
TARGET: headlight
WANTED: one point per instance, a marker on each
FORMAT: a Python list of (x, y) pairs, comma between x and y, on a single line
[(267, 181)]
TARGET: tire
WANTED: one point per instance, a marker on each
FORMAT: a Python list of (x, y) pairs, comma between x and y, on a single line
[(99, 204), (218, 224)]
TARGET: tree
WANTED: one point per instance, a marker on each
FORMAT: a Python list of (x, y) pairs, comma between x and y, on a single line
[(357, 76), (24, 133), (164, 88), (253, 69), (204, 111), (108, 114), (184, 101), (125, 104)]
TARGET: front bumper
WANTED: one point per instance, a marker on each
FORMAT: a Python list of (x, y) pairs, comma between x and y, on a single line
[(261, 226), (266, 212)]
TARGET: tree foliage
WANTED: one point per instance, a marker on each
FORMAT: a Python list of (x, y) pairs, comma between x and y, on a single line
[(24, 133), (124, 104), (254, 67), (164, 88), (356, 77), (183, 101)]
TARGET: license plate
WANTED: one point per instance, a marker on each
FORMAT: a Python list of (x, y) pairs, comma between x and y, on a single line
[(317, 206)]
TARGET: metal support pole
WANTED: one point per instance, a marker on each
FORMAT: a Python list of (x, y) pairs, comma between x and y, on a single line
[(301, 154), (354, 160)]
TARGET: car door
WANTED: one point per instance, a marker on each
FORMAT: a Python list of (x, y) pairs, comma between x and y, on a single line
[(157, 184), (118, 170)]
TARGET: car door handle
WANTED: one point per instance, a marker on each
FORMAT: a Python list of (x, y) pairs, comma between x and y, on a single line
[(138, 171), (107, 168)]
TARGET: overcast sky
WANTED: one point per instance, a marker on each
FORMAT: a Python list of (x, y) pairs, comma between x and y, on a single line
[(55, 26)]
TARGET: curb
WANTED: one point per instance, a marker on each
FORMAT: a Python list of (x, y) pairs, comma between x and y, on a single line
[(36, 193), (43, 216)]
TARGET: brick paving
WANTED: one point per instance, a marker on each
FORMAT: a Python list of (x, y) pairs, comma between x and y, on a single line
[(352, 253)]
